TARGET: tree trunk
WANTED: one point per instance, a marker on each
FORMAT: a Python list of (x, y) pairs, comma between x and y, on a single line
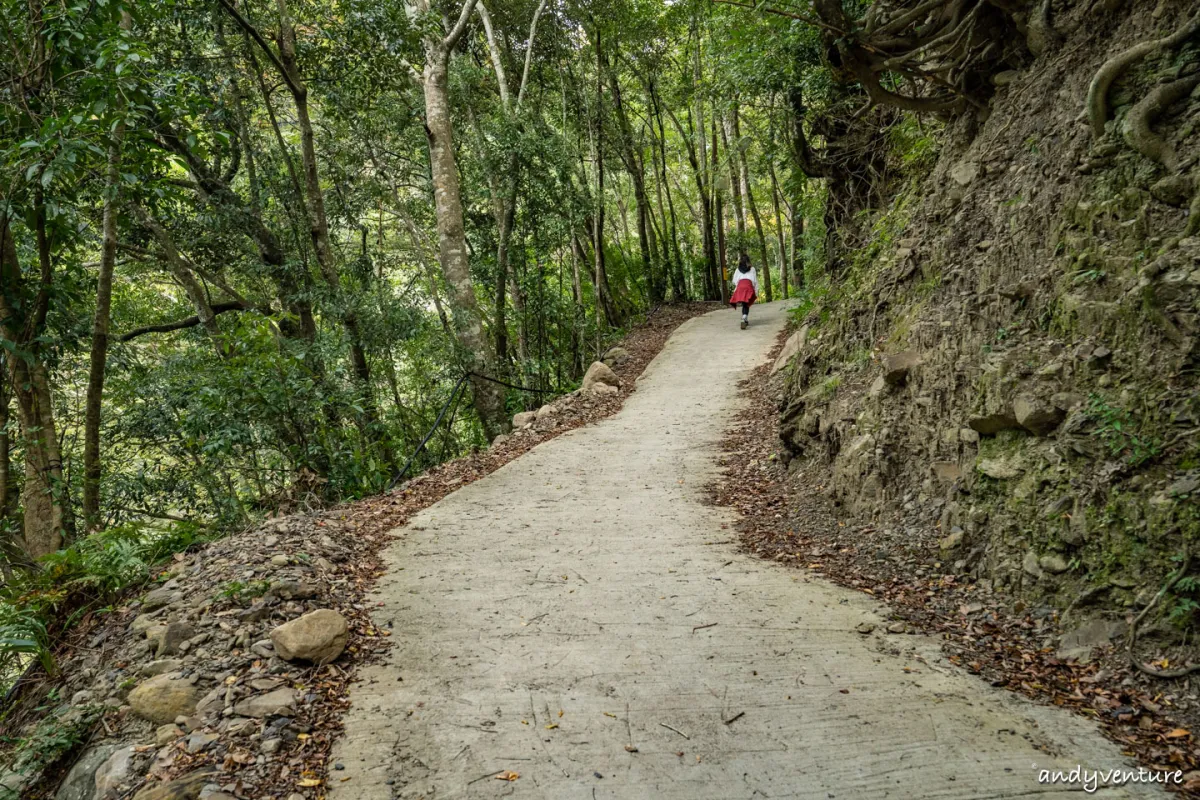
[(318, 222), (670, 232), (723, 263), (100, 324), (713, 279), (783, 270), (452, 240), (735, 181), (635, 166), (602, 289), (43, 495), (748, 191)]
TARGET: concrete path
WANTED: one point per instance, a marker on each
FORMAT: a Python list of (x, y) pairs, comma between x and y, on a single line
[(582, 618)]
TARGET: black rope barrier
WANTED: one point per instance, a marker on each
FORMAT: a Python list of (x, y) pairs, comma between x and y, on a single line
[(455, 395)]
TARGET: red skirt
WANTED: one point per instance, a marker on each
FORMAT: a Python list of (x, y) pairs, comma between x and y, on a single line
[(744, 293)]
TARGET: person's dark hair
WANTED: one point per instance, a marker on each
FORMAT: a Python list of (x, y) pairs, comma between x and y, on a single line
[(744, 263)]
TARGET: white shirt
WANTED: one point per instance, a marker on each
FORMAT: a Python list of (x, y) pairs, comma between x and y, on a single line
[(751, 276)]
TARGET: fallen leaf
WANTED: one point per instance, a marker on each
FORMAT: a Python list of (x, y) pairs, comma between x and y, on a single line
[(1179, 733), (507, 775)]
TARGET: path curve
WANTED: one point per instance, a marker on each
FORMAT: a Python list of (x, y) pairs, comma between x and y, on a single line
[(583, 601)]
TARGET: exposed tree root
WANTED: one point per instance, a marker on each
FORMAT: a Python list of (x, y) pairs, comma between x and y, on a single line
[(1133, 627), (1097, 96), (1137, 131)]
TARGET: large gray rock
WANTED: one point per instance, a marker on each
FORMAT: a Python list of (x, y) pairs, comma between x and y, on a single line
[(173, 636), (281, 702), (163, 698), (991, 424), (616, 356), (117, 771), (523, 419), (318, 636), (794, 344), (1079, 643), (1037, 416), (80, 783), (897, 366), (159, 598), (599, 379)]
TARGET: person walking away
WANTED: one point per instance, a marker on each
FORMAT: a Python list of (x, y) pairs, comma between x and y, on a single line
[(745, 288)]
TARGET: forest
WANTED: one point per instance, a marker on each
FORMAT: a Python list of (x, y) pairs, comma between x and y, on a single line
[(250, 250)]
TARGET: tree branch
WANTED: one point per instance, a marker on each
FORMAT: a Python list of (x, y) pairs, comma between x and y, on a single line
[(258, 38), (529, 52), (188, 322), (460, 28)]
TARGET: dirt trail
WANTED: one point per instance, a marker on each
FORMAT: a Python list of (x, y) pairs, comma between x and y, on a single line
[(583, 602)]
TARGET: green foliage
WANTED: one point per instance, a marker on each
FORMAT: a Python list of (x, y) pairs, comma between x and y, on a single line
[(38, 606), (1123, 435), (54, 736), (239, 592)]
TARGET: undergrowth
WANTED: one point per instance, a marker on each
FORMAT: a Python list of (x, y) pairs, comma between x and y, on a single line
[(39, 605)]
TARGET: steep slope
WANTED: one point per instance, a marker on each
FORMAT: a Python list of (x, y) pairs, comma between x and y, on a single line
[(1009, 367)]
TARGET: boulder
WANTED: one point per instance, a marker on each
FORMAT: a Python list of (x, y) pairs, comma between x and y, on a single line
[(159, 598), (1079, 643), (80, 783), (499, 440), (144, 622), (163, 698), (115, 772), (1037, 416), (991, 424), (186, 788), (523, 419), (281, 702), (545, 412), (1031, 565), (794, 344), (173, 636), (318, 636), (598, 375), (953, 541), (897, 366), (615, 357)]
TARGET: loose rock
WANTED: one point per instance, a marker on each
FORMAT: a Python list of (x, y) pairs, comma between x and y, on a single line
[(318, 636), (163, 698)]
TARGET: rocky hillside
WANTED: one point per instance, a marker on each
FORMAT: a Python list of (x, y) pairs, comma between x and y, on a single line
[(1008, 369)]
